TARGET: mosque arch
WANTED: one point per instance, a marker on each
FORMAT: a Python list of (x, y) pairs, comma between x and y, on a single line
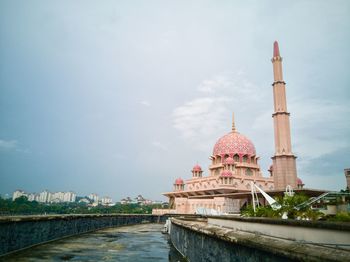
[(252, 160), (245, 159), (249, 172)]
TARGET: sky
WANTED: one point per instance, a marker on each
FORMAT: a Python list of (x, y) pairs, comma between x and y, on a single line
[(120, 98)]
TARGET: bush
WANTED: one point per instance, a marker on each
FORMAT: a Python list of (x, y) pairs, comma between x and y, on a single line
[(262, 211), (340, 217), (289, 204)]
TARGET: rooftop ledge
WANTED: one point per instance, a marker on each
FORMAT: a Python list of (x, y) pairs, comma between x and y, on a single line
[(316, 241)]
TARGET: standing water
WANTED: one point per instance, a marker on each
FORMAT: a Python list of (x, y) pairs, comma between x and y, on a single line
[(143, 242)]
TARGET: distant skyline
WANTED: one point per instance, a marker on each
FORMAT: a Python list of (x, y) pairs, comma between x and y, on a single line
[(120, 98), (10, 195)]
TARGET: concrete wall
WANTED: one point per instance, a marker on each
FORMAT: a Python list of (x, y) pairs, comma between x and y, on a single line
[(303, 231), (197, 246), (24, 231), (252, 239)]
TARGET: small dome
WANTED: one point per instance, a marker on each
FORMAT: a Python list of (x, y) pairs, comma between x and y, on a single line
[(226, 173), (229, 161), (299, 181), (179, 181), (197, 168), (234, 143)]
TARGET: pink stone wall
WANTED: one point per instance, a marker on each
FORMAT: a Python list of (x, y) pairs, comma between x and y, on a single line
[(284, 172)]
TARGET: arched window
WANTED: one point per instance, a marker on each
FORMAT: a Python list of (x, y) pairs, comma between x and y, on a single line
[(236, 158), (245, 158), (249, 172)]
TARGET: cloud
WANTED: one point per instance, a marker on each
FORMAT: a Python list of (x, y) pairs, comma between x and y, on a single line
[(320, 127), (118, 156), (12, 145), (168, 37), (145, 103), (200, 120), (319, 137), (8, 144), (236, 86), (159, 145), (216, 83)]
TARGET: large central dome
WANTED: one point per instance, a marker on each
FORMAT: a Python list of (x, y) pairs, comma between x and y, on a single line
[(234, 143)]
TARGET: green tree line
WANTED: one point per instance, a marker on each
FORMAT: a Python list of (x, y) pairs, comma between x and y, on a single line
[(21, 206)]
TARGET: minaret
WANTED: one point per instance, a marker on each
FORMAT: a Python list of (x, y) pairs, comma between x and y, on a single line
[(284, 166), (233, 123)]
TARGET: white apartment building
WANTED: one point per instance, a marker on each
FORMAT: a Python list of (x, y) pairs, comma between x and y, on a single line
[(45, 196), (18, 193), (59, 197), (69, 196), (93, 197), (33, 197), (106, 200)]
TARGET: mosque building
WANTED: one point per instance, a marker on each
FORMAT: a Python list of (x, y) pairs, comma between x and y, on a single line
[(234, 164)]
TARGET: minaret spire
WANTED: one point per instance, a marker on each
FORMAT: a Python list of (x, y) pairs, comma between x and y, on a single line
[(276, 50), (233, 122), (284, 165)]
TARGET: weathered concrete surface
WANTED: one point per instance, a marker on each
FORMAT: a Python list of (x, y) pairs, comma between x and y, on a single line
[(199, 241), (20, 232), (288, 222), (322, 232)]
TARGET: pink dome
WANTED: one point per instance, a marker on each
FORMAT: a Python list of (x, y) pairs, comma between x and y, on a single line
[(179, 181), (197, 168), (234, 143), (299, 181), (226, 173), (229, 161)]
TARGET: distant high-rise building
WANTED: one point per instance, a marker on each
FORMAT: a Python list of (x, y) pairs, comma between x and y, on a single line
[(45, 196), (18, 193), (106, 200), (94, 197), (55, 197), (33, 197)]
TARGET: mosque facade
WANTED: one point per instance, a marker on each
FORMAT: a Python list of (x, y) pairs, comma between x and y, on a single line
[(234, 163)]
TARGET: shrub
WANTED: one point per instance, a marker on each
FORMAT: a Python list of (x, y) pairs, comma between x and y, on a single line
[(288, 206), (340, 217)]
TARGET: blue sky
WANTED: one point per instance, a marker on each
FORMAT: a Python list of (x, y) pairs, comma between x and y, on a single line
[(122, 97)]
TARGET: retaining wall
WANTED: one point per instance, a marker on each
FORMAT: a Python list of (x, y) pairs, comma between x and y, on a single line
[(198, 246), (20, 232), (240, 239), (316, 232)]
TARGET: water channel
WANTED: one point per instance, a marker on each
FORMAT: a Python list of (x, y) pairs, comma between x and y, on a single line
[(143, 242)]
